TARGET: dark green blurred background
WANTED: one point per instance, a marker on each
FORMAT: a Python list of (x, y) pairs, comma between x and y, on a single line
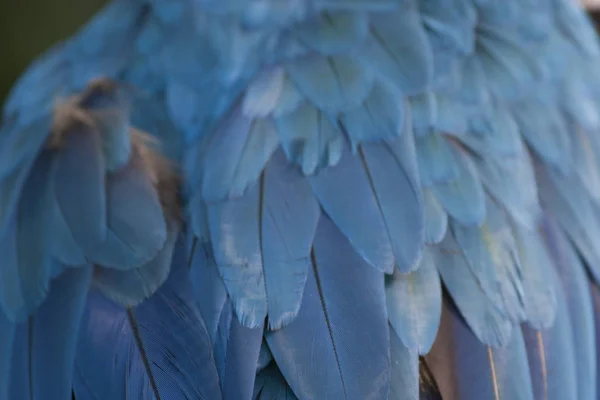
[(28, 27)]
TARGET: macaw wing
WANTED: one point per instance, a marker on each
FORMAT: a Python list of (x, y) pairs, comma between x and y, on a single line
[(322, 145)]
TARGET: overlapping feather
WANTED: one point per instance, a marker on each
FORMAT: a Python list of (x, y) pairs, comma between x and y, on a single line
[(308, 178)]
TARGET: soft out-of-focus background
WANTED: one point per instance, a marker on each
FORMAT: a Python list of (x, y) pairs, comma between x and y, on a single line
[(28, 27)]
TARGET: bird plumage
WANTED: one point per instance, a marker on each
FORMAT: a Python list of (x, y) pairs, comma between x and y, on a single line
[(284, 199)]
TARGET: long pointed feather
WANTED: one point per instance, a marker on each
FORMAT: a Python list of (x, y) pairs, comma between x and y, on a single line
[(346, 195), (414, 304), (340, 291), (404, 371), (464, 368), (235, 234), (237, 350), (158, 350), (7, 336), (290, 214)]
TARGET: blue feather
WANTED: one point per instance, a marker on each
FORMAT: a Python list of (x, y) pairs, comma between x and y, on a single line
[(129, 288), (341, 291), (263, 93), (10, 193), (464, 368), (334, 32), (44, 352), (577, 297), (110, 229), (160, 349), (595, 293), (554, 146), (437, 161), (510, 68), (451, 116), (332, 83), (493, 133), (271, 385), (575, 25), (513, 185), (551, 354), (492, 255), (310, 139), (237, 350), (450, 22), (586, 161), (80, 174), (289, 99), (235, 234), (539, 291), (578, 102), (404, 370), (380, 117), (265, 357), (19, 386), (7, 337), (150, 116), (36, 89), (20, 143), (436, 219), (577, 215), (485, 319), (463, 198), (236, 154), (423, 109), (399, 50), (290, 214), (399, 200), (137, 231), (209, 289), (414, 304), (346, 194), (473, 89), (26, 247)]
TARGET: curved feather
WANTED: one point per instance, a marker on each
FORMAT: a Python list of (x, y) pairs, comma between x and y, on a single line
[(345, 192), (436, 219), (290, 214), (236, 351), (128, 288), (28, 266), (404, 371), (540, 297), (488, 323), (7, 337), (492, 255), (332, 83), (235, 234), (45, 349), (398, 48), (399, 201), (271, 385), (578, 300), (464, 368), (414, 304), (340, 291), (159, 349), (209, 289), (463, 197)]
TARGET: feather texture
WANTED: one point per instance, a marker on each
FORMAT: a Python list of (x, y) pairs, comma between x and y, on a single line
[(45, 347), (322, 144), (331, 305), (159, 349)]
